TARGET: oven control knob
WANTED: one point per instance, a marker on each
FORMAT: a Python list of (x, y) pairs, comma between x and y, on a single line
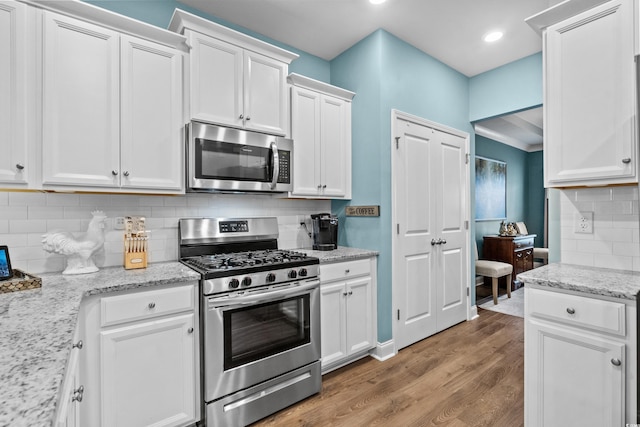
[(234, 283), (292, 274), (246, 281), (303, 272), (271, 277)]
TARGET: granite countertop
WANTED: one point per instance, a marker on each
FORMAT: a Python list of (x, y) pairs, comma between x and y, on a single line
[(36, 333), (343, 253), (597, 281)]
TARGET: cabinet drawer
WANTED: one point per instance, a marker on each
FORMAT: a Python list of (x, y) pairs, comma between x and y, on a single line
[(344, 270), (590, 313), (523, 243), (146, 304)]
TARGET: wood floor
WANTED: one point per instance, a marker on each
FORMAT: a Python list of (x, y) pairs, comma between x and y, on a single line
[(471, 374)]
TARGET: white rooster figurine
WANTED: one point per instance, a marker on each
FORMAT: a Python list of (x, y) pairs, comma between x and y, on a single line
[(78, 250)]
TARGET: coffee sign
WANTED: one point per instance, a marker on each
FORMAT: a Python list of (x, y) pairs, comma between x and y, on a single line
[(363, 210)]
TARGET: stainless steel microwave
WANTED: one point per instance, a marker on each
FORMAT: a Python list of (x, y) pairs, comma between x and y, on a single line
[(234, 160)]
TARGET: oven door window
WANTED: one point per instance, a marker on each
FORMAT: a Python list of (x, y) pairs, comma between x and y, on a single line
[(255, 332), (226, 161)]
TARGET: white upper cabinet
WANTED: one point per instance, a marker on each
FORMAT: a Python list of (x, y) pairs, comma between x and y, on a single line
[(81, 103), (151, 120), (17, 80), (321, 132), (112, 115), (235, 80), (590, 98)]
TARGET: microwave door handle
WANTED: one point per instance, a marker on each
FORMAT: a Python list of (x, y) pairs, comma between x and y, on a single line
[(276, 165)]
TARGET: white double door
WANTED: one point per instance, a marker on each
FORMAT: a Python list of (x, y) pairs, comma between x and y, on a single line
[(431, 213)]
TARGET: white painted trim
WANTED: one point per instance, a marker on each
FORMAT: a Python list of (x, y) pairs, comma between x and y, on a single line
[(496, 136), (384, 351), (473, 312), (182, 20), (395, 115), (318, 86), (106, 18)]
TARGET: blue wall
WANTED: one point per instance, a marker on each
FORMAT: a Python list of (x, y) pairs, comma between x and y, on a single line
[(159, 12), (525, 188), (513, 87), (386, 73)]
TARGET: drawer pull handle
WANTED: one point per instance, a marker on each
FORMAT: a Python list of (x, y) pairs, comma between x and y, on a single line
[(347, 271), (571, 310), (190, 330), (616, 362), (152, 305), (78, 345)]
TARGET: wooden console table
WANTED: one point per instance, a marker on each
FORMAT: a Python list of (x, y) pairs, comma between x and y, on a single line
[(514, 250)]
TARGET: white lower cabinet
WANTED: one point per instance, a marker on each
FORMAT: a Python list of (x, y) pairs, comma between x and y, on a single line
[(348, 310), (143, 358), (580, 361), (68, 414)]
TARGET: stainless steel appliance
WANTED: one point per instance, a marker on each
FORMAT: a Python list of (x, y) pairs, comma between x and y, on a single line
[(325, 231), (260, 318), (235, 160)]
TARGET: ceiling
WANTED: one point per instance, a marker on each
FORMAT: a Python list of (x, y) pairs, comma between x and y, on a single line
[(522, 130), (448, 30)]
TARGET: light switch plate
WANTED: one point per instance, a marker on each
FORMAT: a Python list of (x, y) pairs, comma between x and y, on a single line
[(583, 223)]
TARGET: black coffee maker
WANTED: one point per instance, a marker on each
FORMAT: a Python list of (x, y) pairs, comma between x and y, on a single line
[(325, 232)]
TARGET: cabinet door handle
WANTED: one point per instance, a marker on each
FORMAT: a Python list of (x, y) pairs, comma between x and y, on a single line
[(571, 310), (434, 242), (248, 118), (626, 160), (19, 166), (350, 292), (347, 271), (152, 305), (78, 345), (125, 173), (114, 172), (344, 294), (77, 394), (616, 362), (241, 116), (190, 330)]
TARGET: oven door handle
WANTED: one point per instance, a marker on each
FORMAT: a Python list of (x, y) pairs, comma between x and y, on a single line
[(215, 303), (276, 165)]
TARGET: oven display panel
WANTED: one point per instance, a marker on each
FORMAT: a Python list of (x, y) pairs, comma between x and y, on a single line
[(234, 226)]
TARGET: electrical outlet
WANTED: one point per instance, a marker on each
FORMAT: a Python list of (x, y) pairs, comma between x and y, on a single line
[(583, 223), (118, 223)]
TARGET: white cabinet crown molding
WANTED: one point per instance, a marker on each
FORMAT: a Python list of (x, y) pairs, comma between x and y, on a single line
[(112, 20), (316, 85), (182, 20), (559, 12)]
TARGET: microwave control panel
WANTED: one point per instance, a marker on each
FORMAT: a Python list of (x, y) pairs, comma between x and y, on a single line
[(284, 176)]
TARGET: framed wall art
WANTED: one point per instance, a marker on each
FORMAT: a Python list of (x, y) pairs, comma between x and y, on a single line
[(491, 189)]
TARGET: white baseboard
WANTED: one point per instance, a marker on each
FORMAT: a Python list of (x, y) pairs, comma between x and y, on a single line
[(383, 351), (473, 312)]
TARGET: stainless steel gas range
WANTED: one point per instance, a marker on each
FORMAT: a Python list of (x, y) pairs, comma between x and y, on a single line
[(260, 318)]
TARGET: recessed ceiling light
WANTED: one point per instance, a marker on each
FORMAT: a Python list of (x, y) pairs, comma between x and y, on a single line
[(377, 1), (492, 36)]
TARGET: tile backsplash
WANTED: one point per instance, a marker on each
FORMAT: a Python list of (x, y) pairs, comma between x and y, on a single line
[(615, 241), (26, 216)]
